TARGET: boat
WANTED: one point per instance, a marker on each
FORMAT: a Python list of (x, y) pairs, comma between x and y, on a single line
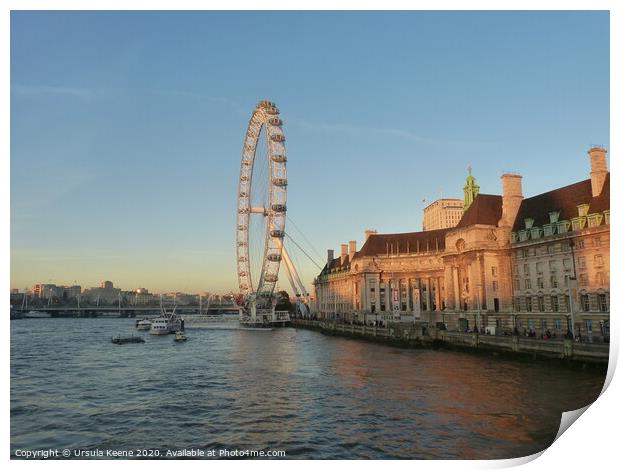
[(127, 339), (143, 325), (180, 336), (168, 322), (37, 314)]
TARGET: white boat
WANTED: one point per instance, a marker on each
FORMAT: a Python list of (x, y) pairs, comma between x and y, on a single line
[(167, 323), (37, 314), (143, 325), (180, 336)]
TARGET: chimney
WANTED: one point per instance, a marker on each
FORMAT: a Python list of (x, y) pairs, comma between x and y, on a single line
[(368, 233), (330, 256), (511, 198), (352, 248), (598, 163), (343, 251)]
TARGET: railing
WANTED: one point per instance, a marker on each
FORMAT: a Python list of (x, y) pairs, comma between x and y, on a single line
[(421, 335)]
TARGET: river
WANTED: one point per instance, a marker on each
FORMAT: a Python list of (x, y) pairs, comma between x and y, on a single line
[(310, 395)]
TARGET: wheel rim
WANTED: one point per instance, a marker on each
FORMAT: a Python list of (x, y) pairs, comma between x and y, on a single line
[(265, 121)]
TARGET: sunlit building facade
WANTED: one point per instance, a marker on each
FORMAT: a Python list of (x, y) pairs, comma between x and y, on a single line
[(508, 263), (443, 213)]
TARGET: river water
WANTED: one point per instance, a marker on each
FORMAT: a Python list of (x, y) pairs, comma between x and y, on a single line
[(311, 395)]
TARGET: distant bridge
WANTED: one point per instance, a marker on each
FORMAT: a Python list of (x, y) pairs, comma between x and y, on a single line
[(124, 311)]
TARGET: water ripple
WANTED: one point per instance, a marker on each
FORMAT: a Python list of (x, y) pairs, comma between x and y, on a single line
[(311, 395)]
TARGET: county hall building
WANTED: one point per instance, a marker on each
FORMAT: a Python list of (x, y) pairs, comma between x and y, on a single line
[(537, 264)]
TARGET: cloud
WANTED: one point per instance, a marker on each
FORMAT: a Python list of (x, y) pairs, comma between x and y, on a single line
[(405, 134), (386, 131), (214, 99), (36, 90)]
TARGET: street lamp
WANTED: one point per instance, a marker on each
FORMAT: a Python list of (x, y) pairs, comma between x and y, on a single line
[(479, 307), (571, 243)]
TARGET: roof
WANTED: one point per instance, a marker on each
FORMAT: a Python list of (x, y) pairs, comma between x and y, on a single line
[(336, 263), (600, 203), (486, 209), (403, 243), (565, 200)]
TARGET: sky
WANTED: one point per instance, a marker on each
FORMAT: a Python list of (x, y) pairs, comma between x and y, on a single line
[(127, 128)]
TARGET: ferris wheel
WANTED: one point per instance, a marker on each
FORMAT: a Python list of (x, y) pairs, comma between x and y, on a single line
[(261, 214)]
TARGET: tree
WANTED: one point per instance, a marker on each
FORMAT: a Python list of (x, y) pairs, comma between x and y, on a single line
[(283, 301)]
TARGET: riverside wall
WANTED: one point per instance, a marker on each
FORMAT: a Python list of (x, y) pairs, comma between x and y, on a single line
[(414, 336)]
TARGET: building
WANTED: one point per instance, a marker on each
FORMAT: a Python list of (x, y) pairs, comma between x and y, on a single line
[(53, 292), (506, 264), (443, 213), (560, 255), (446, 213), (105, 294)]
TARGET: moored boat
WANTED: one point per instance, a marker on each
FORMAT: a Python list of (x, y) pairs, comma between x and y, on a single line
[(143, 325), (168, 322), (127, 339), (180, 336), (37, 314)]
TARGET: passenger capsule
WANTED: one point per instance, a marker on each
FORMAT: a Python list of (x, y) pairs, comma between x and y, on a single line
[(277, 233)]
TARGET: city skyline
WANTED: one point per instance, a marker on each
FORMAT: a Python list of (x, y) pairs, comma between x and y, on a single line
[(133, 172)]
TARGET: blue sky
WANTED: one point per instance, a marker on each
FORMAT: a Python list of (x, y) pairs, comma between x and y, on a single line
[(127, 127)]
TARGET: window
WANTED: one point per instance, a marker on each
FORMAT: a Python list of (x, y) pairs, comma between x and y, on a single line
[(541, 303), (589, 326), (554, 282), (567, 303), (598, 260), (528, 284), (539, 267), (555, 304), (581, 263), (540, 283), (567, 263), (602, 303), (585, 303), (526, 269), (583, 279), (494, 270), (581, 244), (597, 241), (494, 286), (528, 304), (517, 285), (553, 265)]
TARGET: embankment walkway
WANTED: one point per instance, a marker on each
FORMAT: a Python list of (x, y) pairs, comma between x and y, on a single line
[(412, 336)]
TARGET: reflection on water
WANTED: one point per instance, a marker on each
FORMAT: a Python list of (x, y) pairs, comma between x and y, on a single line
[(311, 395)]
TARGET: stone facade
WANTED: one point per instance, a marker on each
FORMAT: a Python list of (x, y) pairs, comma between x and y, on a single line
[(443, 213), (507, 263)]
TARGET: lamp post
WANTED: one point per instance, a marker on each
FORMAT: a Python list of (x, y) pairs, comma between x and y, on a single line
[(479, 307), (572, 278)]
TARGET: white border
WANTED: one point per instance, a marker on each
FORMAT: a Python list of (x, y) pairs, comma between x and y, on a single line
[(591, 442)]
